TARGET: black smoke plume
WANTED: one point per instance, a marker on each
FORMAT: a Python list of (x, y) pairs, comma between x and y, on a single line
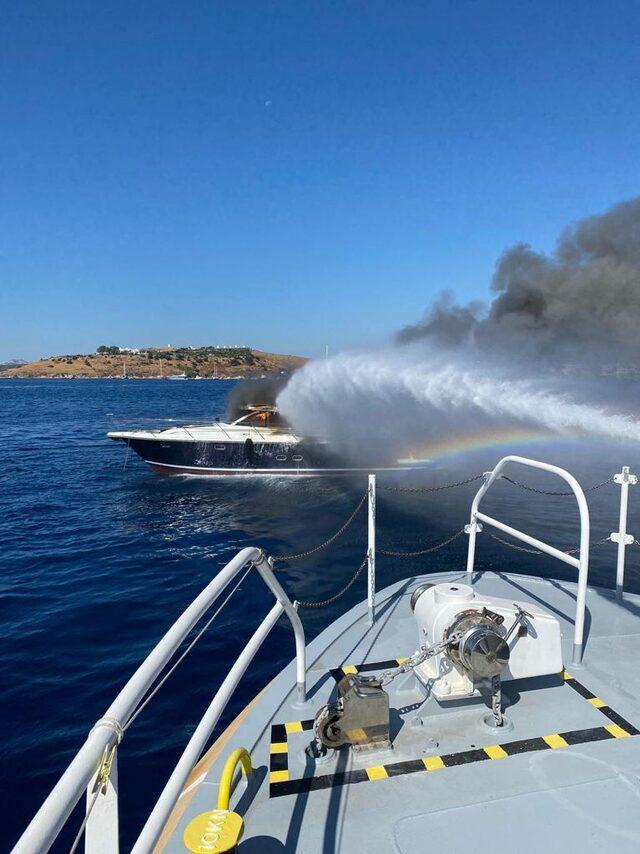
[(475, 368), (258, 392), (583, 298)]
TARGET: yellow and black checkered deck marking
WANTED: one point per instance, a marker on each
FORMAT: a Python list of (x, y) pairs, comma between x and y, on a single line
[(280, 784), (278, 751)]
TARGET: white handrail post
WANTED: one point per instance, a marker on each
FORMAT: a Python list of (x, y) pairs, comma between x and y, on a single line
[(625, 479), (264, 566), (101, 832), (471, 529), (371, 550), (474, 526)]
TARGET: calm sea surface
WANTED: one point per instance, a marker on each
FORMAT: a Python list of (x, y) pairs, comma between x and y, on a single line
[(98, 556)]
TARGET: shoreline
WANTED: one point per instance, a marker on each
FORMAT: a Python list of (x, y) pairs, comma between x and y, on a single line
[(163, 379), (176, 364)]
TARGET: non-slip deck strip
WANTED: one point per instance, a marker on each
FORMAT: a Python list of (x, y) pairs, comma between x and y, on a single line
[(280, 784), (599, 704)]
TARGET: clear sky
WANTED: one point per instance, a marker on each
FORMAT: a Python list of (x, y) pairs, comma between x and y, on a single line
[(293, 174)]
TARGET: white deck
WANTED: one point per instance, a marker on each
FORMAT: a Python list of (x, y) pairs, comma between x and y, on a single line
[(583, 795)]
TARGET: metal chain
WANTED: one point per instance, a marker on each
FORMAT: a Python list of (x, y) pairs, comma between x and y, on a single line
[(326, 543), (593, 545), (322, 602), (537, 551), (415, 489), (547, 492), (496, 700), (420, 655), (424, 551)]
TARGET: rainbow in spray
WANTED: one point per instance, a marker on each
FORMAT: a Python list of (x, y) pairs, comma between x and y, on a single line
[(513, 439)]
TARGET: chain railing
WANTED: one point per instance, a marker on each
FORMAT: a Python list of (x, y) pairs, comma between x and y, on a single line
[(425, 489), (551, 492), (417, 490), (425, 551), (323, 603), (326, 543), (537, 551), (619, 537)]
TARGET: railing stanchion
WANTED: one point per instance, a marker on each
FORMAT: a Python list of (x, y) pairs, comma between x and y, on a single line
[(471, 529), (371, 550), (625, 479), (101, 832)]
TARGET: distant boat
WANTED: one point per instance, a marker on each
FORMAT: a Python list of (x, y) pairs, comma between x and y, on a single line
[(181, 376)]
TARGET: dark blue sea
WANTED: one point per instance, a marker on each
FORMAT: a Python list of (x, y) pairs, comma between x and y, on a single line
[(98, 556)]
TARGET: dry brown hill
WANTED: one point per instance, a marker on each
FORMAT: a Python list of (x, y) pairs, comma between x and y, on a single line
[(203, 361)]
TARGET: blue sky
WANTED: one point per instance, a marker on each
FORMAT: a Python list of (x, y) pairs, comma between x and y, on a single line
[(293, 174)]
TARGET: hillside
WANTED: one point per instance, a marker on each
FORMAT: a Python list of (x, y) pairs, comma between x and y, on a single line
[(13, 363), (224, 363)]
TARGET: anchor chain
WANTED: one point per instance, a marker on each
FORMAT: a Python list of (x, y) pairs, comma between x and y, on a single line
[(420, 655), (496, 700)]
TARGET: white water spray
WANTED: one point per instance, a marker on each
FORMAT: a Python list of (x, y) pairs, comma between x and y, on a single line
[(412, 395)]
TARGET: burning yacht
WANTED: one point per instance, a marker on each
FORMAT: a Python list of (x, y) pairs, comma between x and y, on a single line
[(258, 442)]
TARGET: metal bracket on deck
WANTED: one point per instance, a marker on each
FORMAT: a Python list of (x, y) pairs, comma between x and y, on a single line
[(625, 477)]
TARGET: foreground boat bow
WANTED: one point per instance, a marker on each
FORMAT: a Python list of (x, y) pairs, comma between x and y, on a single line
[(451, 716)]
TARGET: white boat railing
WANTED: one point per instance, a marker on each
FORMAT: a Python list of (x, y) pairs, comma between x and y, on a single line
[(99, 752), (581, 563)]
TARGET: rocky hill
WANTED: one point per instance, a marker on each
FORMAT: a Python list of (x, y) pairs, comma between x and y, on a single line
[(12, 363), (224, 363)]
